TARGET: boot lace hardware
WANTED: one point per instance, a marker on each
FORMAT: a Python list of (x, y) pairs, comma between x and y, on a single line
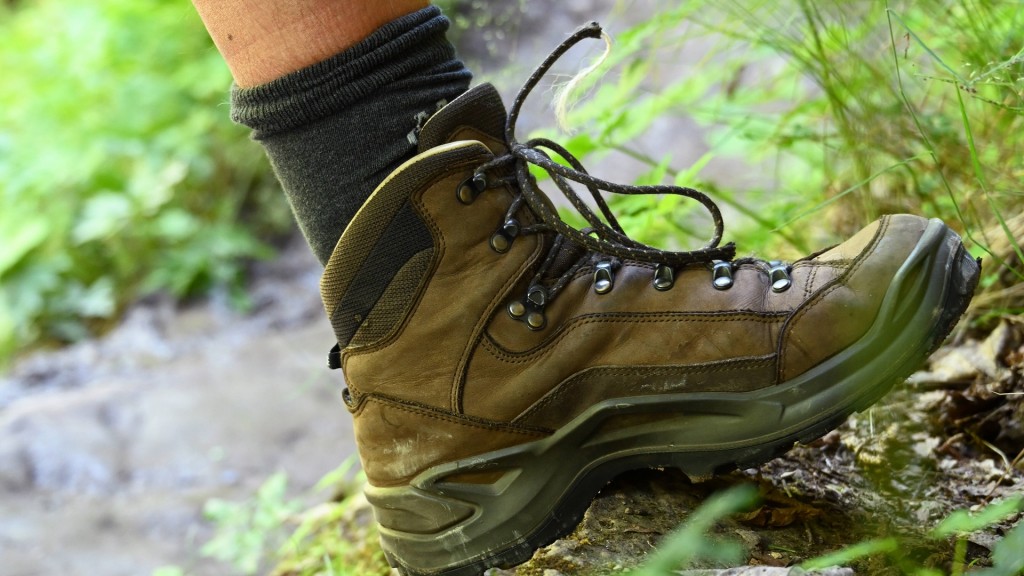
[(475, 185), (778, 274), (531, 309), (471, 187), (501, 240), (604, 277), (347, 398), (603, 239), (721, 275), (664, 278)]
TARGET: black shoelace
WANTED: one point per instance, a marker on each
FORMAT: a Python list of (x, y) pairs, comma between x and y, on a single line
[(604, 240)]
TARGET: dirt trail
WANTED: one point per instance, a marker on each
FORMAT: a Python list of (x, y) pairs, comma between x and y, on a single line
[(109, 449)]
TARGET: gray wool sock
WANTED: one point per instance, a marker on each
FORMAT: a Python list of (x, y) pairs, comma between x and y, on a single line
[(336, 129)]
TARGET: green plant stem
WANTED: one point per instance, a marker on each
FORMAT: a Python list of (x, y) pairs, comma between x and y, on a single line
[(725, 199)]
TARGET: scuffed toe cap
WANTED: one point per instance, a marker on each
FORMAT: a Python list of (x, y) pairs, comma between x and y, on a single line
[(842, 311)]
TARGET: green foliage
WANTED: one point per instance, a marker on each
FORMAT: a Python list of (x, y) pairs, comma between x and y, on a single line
[(865, 111), (332, 541), (336, 538), (690, 542), (854, 552), (247, 530), (120, 171), (1007, 559), (963, 522)]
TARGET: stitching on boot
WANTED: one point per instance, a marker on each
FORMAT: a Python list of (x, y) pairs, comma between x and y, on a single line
[(494, 307), (824, 291), (548, 346), (438, 254), (707, 368), (464, 420)]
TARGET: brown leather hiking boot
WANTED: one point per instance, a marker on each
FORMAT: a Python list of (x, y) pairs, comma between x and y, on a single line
[(503, 366)]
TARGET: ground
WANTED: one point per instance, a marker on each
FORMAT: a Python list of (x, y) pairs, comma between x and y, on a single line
[(109, 449), (949, 439)]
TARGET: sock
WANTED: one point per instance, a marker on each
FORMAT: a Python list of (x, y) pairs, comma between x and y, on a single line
[(334, 130)]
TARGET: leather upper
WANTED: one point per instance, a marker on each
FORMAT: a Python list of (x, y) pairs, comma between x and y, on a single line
[(457, 375)]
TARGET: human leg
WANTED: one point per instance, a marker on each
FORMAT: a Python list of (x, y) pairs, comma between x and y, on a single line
[(502, 366), (263, 41), (334, 91)]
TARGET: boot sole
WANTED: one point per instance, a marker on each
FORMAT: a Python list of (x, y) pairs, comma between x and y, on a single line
[(529, 495)]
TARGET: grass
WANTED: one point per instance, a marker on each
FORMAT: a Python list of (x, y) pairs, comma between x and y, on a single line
[(870, 109)]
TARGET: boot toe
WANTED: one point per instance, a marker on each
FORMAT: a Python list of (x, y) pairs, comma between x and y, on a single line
[(885, 271)]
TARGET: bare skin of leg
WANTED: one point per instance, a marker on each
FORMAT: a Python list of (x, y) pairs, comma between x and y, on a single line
[(262, 40)]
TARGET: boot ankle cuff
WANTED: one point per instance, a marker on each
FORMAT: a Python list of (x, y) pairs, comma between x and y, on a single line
[(404, 51)]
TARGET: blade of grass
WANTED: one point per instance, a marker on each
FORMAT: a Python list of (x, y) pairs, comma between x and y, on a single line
[(929, 146), (833, 199), (980, 175), (921, 43), (847, 555)]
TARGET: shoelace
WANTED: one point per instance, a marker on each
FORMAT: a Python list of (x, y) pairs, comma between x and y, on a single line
[(603, 240)]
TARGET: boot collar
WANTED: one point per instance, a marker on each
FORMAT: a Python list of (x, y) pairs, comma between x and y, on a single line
[(480, 108)]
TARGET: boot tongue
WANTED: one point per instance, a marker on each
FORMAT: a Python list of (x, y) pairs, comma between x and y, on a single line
[(479, 108)]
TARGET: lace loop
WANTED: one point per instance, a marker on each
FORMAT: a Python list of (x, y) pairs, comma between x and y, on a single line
[(604, 235)]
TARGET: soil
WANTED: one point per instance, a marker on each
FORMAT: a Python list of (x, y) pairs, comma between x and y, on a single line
[(110, 448), (949, 439)]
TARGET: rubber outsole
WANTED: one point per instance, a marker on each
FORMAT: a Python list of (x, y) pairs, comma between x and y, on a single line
[(943, 276)]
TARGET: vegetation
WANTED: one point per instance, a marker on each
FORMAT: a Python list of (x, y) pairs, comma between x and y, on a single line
[(914, 107), (121, 175), (868, 109), (271, 533), (120, 171), (339, 537)]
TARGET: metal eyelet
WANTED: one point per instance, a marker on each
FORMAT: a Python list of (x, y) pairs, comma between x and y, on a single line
[(604, 280), (516, 309), (471, 188), (530, 310), (501, 240), (664, 278), (536, 299), (536, 321), (346, 397), (778, 274), (721, 275)]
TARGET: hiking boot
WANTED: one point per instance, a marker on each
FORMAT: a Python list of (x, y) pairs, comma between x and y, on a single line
[(502, 366)]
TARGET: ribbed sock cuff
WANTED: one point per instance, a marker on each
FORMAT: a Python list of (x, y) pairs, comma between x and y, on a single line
[(334, 130), (396, 52)]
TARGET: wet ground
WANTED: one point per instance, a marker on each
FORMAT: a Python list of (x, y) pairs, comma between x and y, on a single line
[(109, 449)]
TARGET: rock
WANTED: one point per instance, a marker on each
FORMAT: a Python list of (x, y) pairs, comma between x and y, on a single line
[(768, 571)]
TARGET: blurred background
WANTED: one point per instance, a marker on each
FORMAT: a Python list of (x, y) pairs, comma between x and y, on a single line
[(161, 340)]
